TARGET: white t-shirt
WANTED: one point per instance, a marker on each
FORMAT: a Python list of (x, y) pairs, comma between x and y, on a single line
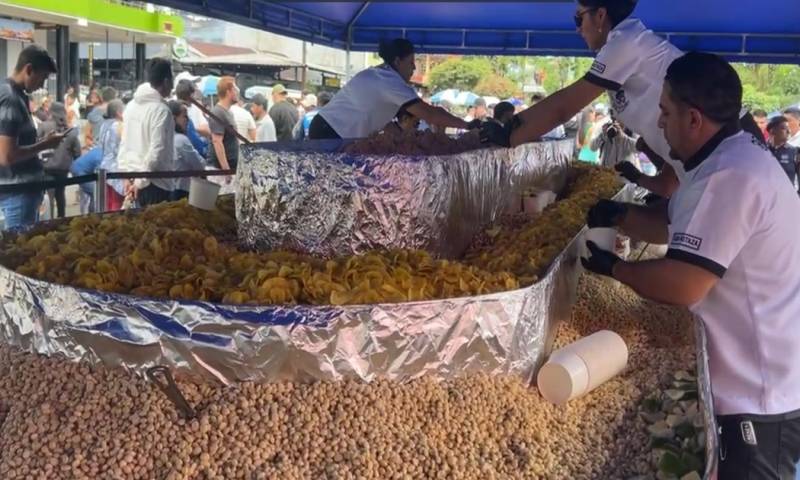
[(368, 102), (265, 130), (795, 140), (732, 215), (244, 121), (632, 66), (196, 116)]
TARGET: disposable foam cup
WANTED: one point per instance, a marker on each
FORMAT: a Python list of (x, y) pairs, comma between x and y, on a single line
[(535, 204), (580, 367), (605, 238), (203, 194)]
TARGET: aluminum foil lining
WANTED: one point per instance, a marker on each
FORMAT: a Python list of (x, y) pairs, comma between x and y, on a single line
[(308, 198), (706, 400), (504, 333)]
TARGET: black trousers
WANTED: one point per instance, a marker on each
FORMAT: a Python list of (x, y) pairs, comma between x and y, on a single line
[(320, 129), (759, 447), (150, 195), (58, 193)]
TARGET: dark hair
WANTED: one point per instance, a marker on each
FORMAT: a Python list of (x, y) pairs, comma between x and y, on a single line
[(260, 100), (503, 108), (176, 108), (107, 94), (537, 97), (759, 113), (38, 58), (708, 83), (775, 122), (58, 114), (795, 112), (159, 71), (618, 10), (184, 89), (324, 98), (402, 114), (391, 50)]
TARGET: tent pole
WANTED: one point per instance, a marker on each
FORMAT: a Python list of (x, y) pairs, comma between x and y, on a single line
[(347, 70), (349, 44)]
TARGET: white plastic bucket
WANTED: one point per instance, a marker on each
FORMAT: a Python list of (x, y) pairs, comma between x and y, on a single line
[(580, 367), (203, 194)]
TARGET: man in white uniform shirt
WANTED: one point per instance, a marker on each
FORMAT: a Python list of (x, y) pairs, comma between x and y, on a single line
[(733, 259)]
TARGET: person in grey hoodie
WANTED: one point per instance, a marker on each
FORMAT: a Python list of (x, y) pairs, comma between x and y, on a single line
[(57, 162), (186, 157), (147, 143), (97, 114)]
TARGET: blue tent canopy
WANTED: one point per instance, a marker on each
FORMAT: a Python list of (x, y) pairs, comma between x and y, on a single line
[(766, 31)]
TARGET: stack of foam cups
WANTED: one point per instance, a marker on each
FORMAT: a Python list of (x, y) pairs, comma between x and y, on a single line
[(580, 367)]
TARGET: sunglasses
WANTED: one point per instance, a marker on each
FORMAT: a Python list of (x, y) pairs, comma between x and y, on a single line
[(579, 16)]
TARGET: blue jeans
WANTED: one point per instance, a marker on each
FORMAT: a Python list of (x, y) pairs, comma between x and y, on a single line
[(20, 209)]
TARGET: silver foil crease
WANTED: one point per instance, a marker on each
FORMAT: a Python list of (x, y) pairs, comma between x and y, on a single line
[(706, 399), (308, 198), (505, 333)]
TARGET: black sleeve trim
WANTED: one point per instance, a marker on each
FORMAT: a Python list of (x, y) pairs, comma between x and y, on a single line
[(408, 104), (601, 82), (697, 261)]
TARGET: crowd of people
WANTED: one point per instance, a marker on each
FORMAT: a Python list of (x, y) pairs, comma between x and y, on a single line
[(161, 127)]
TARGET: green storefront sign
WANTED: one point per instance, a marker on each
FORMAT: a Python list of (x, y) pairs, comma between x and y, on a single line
[(107, 13)]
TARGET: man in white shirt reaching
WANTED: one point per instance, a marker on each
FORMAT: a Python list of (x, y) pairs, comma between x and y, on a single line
[(733, 260)]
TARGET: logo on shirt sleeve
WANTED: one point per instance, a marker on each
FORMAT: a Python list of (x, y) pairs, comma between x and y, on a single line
[(598, 67), (686, 240)]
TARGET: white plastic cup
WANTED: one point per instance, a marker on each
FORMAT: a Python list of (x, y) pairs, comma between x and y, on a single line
[(203, 194), (535, 204), (605, 238), (580, 367)]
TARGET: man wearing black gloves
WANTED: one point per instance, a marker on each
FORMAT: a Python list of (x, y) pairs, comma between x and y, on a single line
[(733, 259)]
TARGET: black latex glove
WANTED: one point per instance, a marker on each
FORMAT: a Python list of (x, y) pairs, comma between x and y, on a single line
[(606, 214), (628, 171), (474, 124), (493, 132), (498, 134), (600, 261), (652, 198)]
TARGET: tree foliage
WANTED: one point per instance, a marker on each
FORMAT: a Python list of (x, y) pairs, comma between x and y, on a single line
[(768, 87), (461, 73), (496, 86)]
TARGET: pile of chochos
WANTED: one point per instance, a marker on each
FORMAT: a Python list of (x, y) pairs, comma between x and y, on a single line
[(175, 251)]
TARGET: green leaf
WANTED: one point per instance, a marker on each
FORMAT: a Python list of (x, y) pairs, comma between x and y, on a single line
[(671, 464), (675, 394), (692, 462), (685, 430)]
